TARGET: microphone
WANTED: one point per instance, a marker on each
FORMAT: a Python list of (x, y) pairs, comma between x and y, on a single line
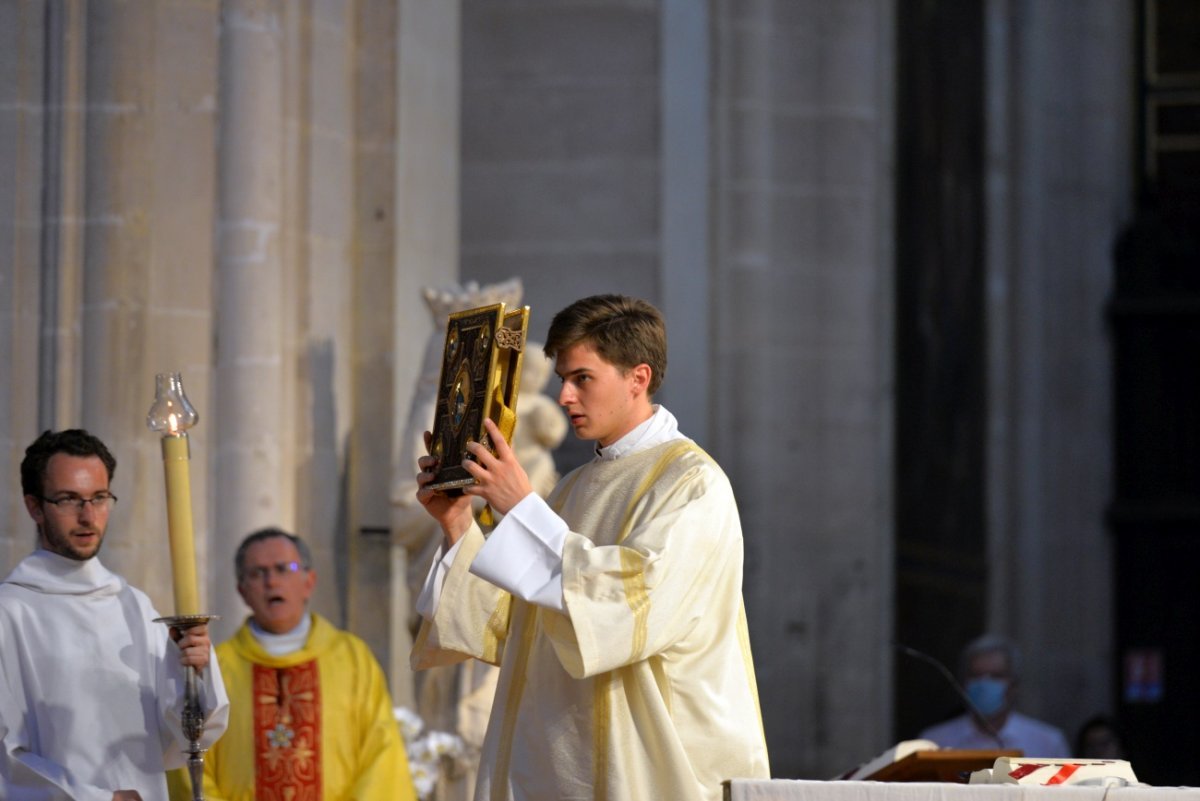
[(953, 682)]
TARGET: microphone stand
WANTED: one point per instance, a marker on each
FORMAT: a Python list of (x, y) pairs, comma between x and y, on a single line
[(953, 682)]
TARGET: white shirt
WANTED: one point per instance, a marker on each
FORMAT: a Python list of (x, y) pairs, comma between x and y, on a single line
[(523, 554), (1033, 737)]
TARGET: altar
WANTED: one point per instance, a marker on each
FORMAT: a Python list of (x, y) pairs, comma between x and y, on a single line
[(805, 790)]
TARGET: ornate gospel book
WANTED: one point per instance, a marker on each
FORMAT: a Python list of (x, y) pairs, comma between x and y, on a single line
[(480, 379)]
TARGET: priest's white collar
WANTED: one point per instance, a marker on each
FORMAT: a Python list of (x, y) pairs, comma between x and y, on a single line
[(283, 644), (660, 427)]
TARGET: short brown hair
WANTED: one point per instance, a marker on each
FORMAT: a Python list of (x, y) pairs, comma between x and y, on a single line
[(624, 331), (73, 442)]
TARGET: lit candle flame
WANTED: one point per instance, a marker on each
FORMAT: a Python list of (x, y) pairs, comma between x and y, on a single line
[(173, 423)]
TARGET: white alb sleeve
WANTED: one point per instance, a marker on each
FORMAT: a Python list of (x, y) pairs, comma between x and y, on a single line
[(431, 593), (523, 554)]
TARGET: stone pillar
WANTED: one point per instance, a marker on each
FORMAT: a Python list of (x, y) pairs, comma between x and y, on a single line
[(146, 277), (62, 213), (802, 378), (374, 325), (319, 254), (32, 101), (253, 466), (122, 166), (1060, 107), (685, 213), (426, 237)]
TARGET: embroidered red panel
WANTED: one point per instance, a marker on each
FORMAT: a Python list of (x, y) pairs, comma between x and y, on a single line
[(287, 733)]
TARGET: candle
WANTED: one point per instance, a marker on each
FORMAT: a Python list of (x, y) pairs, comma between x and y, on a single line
[(179, 523), (172, 414)]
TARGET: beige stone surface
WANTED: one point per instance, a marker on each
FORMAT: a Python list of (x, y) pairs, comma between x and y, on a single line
[(253, 192)]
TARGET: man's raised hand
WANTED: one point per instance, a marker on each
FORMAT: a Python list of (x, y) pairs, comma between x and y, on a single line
[(500, 479), (452, 512)]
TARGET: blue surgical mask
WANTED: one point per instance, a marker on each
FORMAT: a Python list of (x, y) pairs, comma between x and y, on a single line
[(987, 694)]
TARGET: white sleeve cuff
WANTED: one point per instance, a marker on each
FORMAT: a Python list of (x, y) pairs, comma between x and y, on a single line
[(523, 554), (431, 593)]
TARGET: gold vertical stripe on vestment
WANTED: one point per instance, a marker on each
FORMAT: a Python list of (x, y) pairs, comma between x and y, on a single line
[(601, 726), (634, 575), (633, 568), (496, 626), (516, 690), (678, 448)]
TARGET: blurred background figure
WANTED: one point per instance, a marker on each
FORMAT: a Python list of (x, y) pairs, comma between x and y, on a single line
[(989, 669), (1099, 738), (310, 712)]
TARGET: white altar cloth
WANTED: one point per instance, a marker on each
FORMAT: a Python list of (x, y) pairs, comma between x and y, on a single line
[(801, 790)]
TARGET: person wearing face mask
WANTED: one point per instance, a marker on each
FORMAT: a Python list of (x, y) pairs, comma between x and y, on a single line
[(989, 670)]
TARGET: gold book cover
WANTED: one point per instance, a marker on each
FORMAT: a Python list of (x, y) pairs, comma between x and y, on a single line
[(480, 379)]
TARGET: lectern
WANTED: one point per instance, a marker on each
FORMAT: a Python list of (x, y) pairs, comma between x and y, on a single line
[(940, 765)]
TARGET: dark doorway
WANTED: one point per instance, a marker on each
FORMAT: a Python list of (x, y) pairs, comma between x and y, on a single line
[(940, 352), (1155, 316)]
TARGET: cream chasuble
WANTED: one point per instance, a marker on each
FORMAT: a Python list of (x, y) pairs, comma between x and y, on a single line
[(644, 688), (313, 725)]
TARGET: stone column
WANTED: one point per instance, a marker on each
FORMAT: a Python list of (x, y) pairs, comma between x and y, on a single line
[(62, 212), (122, 168), (685, 213), (253, 471), (146, 276), (319, 254), (39, 76), (1060, 123), (374, 324), (427, 162), (803, 396)]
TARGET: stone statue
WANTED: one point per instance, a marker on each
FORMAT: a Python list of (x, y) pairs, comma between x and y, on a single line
[(412, 528), (458, 698), (541, 424)]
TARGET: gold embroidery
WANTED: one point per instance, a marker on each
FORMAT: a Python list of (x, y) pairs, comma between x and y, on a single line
[(287, 725), (516, 690), (601, 725), (632, 562)]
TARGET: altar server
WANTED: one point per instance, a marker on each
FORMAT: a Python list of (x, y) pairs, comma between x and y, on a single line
[(91, 688), (614, 607)]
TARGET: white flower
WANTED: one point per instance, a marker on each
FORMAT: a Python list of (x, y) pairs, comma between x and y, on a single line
[(424, 778), (410, 723), (426, 750)]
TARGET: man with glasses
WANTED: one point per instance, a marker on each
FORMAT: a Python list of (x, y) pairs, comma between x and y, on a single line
[(91, 688), (311, 715)]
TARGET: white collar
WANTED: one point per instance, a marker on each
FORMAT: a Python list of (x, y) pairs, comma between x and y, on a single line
[(46, 571), (660, 427), (283, 644)]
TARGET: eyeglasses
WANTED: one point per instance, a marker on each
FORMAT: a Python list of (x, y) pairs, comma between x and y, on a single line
[(278, 570), (72, 503)]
